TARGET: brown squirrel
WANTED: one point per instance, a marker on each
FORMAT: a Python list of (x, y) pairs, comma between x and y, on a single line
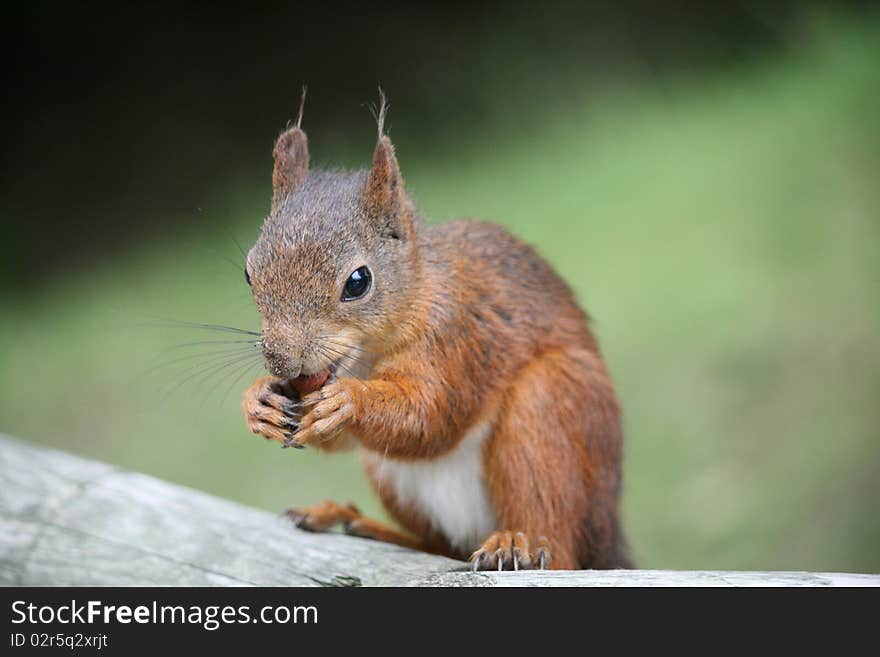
[(452, 356)]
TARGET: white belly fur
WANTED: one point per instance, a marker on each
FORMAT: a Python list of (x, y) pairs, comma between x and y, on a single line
[(449, 490)]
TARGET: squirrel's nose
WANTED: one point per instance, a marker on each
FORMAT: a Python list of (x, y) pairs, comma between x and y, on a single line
[(279, 361)]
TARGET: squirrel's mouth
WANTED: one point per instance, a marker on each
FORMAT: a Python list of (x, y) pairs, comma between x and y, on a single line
[(306, 383)]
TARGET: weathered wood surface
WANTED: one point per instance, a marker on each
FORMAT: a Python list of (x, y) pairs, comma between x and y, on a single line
[(65, 520)]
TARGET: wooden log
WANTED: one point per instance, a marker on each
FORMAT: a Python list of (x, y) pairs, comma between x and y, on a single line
[(65, 520)]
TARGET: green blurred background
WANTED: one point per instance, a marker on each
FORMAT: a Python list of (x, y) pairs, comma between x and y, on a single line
[(706, 179)]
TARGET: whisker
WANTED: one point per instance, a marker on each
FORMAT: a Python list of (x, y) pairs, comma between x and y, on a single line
[(204, 342), (344, 354), (209, 371), (209, 357), (167, 323), (215, 375), (221, 379), (235, 241), (247, 369), (339, 363), (333, 354), (347, 345), (348, 371), (200, 369), (214, 253), (217, 350)]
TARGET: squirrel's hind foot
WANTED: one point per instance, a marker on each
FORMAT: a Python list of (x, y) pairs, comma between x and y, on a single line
[(328, 514), (507, 550), (324, 516)]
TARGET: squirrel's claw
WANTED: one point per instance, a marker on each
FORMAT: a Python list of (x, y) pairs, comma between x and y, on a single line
[(324, 516), (269, 413), (506, 550), (330, 410)]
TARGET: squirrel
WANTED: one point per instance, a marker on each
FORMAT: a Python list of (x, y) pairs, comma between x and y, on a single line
[(452, 356)]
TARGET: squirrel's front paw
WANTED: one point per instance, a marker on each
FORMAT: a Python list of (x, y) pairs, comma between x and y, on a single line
[(330, 409), (271, 411)]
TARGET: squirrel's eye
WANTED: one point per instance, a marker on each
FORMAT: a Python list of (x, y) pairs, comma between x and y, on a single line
[(247, 277), (357, 285)]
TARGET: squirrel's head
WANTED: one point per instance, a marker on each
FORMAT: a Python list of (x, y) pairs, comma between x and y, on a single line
[(333, 269)]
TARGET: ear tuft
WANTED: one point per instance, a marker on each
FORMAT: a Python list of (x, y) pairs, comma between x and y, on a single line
[(382, 196), (385, 203), (302, 106), (291, 155), (380, 113)]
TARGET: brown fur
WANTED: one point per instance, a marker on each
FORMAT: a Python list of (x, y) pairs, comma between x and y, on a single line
[(464, 324)]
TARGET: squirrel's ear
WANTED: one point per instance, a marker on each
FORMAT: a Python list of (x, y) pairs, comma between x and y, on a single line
[(385, 202), (291, 163)]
